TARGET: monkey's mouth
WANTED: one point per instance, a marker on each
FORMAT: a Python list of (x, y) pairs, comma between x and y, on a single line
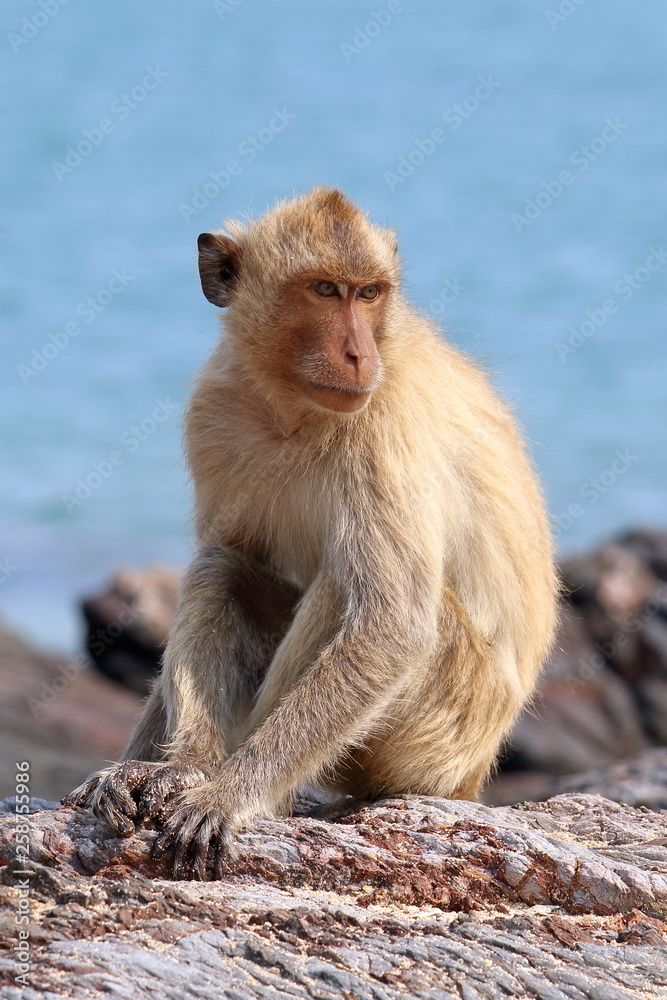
[(339, 398), (354, 390)]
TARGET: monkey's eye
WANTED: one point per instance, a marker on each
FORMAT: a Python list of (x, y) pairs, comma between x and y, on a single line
[(325, 288), (368, 292)]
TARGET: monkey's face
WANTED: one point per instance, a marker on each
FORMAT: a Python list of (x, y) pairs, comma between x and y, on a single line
[(321, 337), (308, 287), (332, 330)]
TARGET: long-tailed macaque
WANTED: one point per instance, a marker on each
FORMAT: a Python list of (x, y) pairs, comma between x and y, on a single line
[(373, 591)]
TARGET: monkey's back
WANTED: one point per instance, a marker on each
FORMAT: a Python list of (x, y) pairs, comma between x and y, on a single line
[(498, 549)]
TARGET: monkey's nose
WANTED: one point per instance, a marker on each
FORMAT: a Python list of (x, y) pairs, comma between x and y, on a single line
[(355, 360), (359, 368)]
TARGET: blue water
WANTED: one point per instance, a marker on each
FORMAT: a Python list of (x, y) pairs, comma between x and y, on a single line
[(481, 106)]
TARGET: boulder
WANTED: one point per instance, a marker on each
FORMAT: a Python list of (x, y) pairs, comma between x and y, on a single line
[(406, 898), (127, 624), (61, 716), (603, 692), (638, 781)]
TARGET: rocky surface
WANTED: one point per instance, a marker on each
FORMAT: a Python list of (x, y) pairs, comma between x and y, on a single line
[(62, 717), (415, 897), (562, 899), (640, 781)]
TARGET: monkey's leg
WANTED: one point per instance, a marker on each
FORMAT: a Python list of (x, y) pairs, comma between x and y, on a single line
[(232, 614), (443, 732)]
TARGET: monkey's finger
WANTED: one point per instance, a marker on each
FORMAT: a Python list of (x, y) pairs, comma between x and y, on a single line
[(116, 789), (81, 796), (164, 841), (225, 850), (220, 855), (161, 845), (152, 803), (182, 862), (199, 849), (185, 847), (159, 790), (150, 807), (104, 809)]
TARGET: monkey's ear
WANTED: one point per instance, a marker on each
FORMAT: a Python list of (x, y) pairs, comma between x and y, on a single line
[(219, 259)]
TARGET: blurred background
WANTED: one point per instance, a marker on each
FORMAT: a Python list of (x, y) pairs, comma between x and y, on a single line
[(518, 147)]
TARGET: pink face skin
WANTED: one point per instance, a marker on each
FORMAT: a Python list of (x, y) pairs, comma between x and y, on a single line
[(338, 365)]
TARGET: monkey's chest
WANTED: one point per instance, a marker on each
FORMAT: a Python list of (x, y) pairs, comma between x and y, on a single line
[(283, 515), (295, 525)]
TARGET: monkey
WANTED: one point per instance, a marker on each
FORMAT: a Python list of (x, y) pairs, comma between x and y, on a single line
[(373, 591)]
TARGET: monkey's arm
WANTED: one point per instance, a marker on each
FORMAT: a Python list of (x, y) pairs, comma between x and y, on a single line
[(232, 614), (308, 715)]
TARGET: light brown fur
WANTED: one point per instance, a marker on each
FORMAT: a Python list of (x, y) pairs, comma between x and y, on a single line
[(374, 591)]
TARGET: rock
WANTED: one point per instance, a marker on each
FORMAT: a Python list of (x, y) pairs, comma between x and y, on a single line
[(127, 625), (603, 693), (60, 716), (649, 546), (581, 717), (639, 781), (414, 897), (623, 605)]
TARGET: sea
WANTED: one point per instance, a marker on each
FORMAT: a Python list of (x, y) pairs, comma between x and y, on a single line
[(518, 147)]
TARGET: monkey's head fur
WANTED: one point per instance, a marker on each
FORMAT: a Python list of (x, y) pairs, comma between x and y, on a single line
[(309, 289)]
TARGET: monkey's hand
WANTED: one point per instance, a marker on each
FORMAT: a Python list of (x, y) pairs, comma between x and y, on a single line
[(199, 831), (134, 792)]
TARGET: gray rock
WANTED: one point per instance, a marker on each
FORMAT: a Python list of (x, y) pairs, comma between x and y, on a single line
[(414, 897)]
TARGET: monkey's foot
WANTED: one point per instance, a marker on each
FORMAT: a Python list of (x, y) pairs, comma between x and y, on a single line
[(134, 792), (200, 838)]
